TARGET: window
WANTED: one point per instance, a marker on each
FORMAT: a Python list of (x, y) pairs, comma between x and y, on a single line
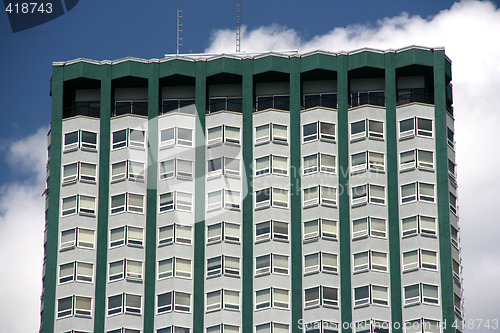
[(368, 193), (223, 232), (454, 237), (328, 100), (183, 201), (418, 224), (126, 268), (80, 139), (372, 326), (371, 294), (223, 133), (174, 329), (124, 303), (223, 265), (275, 197), (223, 166), (272, 229), (129, 137), (375, 163), (84, 205), (419, 258), (181, 302), (450, 135), (76, 271), (127, 202), (271, 297), (122, 330), (321, 326), (428, 326), (420, 293), (271, 263), (320, 262), (409, 192), (425, 159), (321, 296), (272, 327), (453, 204), (279, 102), (320, 194), (84, 172), (223, 299), (271, 132), (78, 306), (179, 168), (318, 130), (78, 237), (375, 129), (407, 127), (174, 233), (132, 236), (223, 328), (274, 164), (224, 104), (223, 198), (176, 136), (369, 226), (358, 162), (319, 162), (324, 228), (370, 260), (174, 267)]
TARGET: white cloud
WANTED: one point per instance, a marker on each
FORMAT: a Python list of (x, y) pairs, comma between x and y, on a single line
[(21, 236), (467, 31)]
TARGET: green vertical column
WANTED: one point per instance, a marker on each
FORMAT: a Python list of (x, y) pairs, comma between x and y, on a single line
[(199, 200), (247, 213), (50, 279), (295, 194), (343, 190), (151, 214), (392, 189), (440, 129), (103, 209)]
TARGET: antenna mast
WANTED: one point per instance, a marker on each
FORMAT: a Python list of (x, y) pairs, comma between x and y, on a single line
[(179, 30), (238, 25)]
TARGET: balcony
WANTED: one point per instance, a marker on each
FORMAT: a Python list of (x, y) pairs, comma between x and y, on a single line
[(367, 98), (225, 104), (130, 107), (181, 105), (406, 96), (328, 100), (89, 109), (279, 102)]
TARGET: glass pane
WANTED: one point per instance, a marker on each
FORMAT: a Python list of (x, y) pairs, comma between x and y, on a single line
[(70, 138), (310, 161), (311, 226), (214, 198), (406, 125), (426, 189), (85, 235), (361, 258), (379, 258), (88, 169), (135, 200), (232, 133), (377, 191), (279, 131), (166, 232), (165, 266), (66, 269), (261, 132), (329, 226), (215, 164), (185, 135), (357, 127), (407, 157), (87, 202), (263, 261), (311, 260), (261, 164), (377, 224), (329, 259), (215, 133), (410, 257), (429, 257), (183, 231), (358, 159), (117, 200), (425, 156), (280, 195), (185, 167), (70, 170), (280, 295), (232, 230), (409, 223), (310, 193), (137, 136), (327, 129), (327, 160), (360, 225), (376, 126), (311, 294), (280, 162), (310, 132), (379, 292), (167, 134), (408, 190), (69, 203), (430, 291), (428, 223), (134, 233), (214, 230)]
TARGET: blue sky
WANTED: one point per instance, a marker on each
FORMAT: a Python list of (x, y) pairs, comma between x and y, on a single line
[(114, 29)]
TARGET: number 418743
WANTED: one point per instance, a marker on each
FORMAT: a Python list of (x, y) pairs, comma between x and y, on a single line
[(29, 8)]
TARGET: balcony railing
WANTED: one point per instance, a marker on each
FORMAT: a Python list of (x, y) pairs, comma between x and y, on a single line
[(328, 100), (225, 103), (130, 107), (367, 97), (279, 102), (89, 109), (182, 105), (411, 96)]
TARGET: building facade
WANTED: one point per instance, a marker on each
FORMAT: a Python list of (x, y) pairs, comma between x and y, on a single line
[(272, 192)]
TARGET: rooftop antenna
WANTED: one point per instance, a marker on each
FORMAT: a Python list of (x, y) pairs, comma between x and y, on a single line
[(179, 30), (238, 25)]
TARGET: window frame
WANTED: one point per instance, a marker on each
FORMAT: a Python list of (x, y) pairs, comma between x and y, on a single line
[(222, 237)]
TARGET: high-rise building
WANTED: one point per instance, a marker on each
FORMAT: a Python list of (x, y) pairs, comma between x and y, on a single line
[(270, 192)]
